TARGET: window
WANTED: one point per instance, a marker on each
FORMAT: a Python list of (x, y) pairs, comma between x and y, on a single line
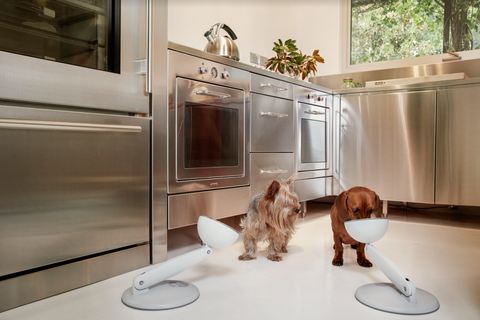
[(385, 30)]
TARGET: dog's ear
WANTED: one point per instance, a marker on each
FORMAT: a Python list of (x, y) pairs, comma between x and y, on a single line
[(342, 208), (267, 207), (272, 190), (292, 177), (378, 207)]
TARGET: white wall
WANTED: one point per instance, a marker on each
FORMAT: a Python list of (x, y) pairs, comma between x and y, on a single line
[(315, 24)]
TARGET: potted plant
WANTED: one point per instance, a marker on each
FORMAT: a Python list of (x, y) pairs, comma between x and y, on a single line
[(291, 61)]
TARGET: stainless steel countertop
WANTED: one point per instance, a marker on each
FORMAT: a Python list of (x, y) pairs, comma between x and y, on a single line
[(244, 66), (432, 85)]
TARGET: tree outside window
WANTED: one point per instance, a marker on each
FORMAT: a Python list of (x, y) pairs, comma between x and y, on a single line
[(383, 30)]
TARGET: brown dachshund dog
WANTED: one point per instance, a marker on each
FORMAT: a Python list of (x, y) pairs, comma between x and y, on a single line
[(356, 203)]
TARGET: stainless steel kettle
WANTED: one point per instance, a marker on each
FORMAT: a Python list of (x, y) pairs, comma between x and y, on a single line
[(222, 46)]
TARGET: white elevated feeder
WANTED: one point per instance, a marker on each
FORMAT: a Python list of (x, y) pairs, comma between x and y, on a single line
[(400, 296), (152, 291)]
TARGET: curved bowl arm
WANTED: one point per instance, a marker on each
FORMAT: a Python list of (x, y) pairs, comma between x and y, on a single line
[(403, 284), (168, 269)]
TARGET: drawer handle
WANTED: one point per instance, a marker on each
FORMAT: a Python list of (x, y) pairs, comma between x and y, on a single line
[(275, 115), (213, 94), (273, 171), (65, 126), (314, 112), (271, 85)]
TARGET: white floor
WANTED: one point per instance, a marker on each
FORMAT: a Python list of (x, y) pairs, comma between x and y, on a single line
[(443, 260)]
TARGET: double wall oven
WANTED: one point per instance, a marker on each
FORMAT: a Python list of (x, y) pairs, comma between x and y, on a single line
[(313, 144), (208, 168), (75, 131)]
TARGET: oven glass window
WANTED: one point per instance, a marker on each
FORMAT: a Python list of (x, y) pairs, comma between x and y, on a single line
[(82, 32), (314, 139), (211, 136)]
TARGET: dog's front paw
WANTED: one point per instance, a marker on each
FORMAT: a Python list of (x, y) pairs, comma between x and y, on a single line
[(338, 262), (365, 263), (284, 249), (275, 258), (246, 257)]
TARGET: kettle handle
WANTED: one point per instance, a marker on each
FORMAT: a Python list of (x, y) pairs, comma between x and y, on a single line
[(229, 31)]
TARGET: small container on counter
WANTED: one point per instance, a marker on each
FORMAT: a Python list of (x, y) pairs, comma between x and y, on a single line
[(348, 83)]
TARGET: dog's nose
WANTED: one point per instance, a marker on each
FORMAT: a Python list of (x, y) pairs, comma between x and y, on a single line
[(297, 210)]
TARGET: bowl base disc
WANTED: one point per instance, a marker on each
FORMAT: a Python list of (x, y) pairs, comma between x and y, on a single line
[(386, 297), (166, 295)]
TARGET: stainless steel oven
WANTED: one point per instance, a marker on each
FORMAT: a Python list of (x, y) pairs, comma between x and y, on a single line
[(313, 143), (210, 132), (77, 53), (208, 117)]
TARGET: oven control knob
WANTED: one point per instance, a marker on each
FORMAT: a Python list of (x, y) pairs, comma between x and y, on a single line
[(202, 70), (214, 72), (224, 75), (314, 97)]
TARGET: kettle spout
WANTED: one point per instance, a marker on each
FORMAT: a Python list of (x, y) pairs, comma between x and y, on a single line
[(209, 36)]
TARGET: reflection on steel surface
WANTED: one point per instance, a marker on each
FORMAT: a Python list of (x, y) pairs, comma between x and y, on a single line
[(388, 144)]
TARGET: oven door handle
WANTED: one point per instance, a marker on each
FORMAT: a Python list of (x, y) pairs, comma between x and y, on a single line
[(314, 112), (271, 85), (275, 115), (213, 94), (65, 126), (273, 171)]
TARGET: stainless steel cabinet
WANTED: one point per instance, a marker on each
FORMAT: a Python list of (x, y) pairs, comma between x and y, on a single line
[(71, 185), (272, 135), (388, 144), (458, 146)]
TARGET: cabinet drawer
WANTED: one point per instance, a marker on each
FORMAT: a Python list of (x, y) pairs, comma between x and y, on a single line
[(266, 167), (272, 87), (271, 125), (310, 189)]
